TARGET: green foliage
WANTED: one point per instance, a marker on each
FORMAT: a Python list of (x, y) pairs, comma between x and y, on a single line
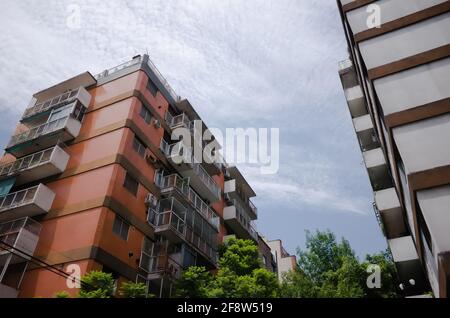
[(323, 254), (240, 275), (62, 294), (239, 256), (97, 284), (193, 283), (330, 269), (133, 290)]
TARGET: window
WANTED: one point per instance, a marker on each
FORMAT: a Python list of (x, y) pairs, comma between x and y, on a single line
[(61, 112), (131, 184), (121, 228), (145, 114), (152, 87), (139, 147)]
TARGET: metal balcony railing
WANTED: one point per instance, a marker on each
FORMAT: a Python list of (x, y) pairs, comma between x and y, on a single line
[(27, 162), (252, 207), (165, 264), (245, 220), (176, 182), (38, 131), (9, 231), (207, 179), (118, 68), (60, 100), (163, 81), (177, 221), (17, 199)]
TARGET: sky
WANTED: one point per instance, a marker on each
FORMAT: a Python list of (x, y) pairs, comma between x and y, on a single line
[(252, 63)]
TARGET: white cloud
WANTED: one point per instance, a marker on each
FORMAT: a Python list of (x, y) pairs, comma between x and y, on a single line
[(253, 63)]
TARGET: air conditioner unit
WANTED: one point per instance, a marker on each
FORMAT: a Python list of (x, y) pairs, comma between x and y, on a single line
[(228, 199), (156, 123), (151, 200), (153, 160)]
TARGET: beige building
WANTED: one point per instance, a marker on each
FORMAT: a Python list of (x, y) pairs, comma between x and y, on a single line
[(396, 83), (285, 262)]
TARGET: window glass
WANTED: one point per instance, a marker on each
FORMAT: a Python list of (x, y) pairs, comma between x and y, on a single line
[(131, 184)]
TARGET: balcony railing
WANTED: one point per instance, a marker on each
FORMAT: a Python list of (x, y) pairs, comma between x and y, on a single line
[(207, 179), (118, 68), (165, 264), (60, 100), (9, 231), (26, 163), (245, 220), (252, 207), (163, 81), (18, 199), (38, 131), (166, 183), (177, 221)]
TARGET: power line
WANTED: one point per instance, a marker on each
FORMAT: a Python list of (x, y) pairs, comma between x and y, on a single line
[(39, 262)]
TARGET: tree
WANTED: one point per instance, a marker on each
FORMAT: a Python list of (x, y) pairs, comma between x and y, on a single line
[(133, 290), (389, 279), (62, 294), (193, 283), (239, 256), (97, 284), (328, 268), (323, 254), (239, 275)]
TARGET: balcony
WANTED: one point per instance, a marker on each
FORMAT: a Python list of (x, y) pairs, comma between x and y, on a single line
[(377, 169), (391, 213), (44, 136), (348, 74), (408, 265), (234, 193), (18, 241), (164, 265), (365, 132), (22, 234), (356, 101), (180, 157), (176, 223), (29, 202), (169, 219), (241, 224), (37, 166), (42, 108), (202, 182), (174, 184)]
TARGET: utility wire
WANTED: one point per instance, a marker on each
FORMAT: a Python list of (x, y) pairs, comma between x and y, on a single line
[(39, 262)]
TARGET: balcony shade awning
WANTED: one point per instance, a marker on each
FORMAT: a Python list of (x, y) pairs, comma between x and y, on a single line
[(83, 80), (6, 186)]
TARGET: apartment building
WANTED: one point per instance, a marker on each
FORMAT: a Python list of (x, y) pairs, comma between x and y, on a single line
[(90, 180), (396, 83), (284, 261)]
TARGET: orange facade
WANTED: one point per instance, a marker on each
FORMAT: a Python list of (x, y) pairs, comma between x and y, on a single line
[(90, 194)]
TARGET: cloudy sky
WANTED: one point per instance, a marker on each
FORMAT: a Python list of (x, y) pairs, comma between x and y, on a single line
[(252, 63)]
